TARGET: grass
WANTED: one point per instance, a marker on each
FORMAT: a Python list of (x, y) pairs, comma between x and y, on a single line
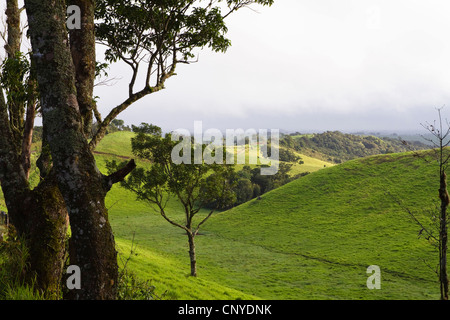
[(161, 254), (171, 281), (116, 143), (325, 229), (310, 165), (311, 239)]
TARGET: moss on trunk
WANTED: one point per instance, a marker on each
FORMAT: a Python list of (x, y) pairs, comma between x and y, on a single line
[(92, 245), (48, 236)]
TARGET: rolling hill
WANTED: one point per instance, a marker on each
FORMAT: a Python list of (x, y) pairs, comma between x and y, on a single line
[(321, 232), (310, 239), (338, 147)]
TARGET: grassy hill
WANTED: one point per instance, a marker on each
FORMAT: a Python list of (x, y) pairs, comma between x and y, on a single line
[(338, 147), (310, 164), (310, 239), (321, 232), (117, 143)]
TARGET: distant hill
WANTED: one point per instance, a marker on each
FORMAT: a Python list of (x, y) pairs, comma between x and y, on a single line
[(338, 147)]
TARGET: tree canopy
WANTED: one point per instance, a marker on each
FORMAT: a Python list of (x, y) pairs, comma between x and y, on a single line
[(153, 37)]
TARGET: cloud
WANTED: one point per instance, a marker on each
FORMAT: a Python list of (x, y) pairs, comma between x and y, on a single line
[(347, 64)]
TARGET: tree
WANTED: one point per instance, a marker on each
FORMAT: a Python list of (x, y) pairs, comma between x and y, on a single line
[(154, 37), (244, 191), (118, 124), (81, 184), (150, 35), (442, 157), (38, 214), (288, 155), (193, 185)]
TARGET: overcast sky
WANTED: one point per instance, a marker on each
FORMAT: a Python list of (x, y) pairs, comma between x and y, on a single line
[(310, 65)]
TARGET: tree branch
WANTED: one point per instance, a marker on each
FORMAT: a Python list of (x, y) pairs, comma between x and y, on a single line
[(119, 175), (202, 222), (412, 215), (101, 130), (163, 214)]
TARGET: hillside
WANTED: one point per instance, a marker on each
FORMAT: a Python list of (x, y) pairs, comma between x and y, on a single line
[(338, 147), (317, 235), (310, 239)]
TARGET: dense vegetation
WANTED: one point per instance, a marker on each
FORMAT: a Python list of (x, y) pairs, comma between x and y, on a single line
[(250, 183), (338, 147)]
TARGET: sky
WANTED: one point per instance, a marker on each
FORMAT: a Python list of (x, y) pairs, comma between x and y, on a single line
[(311, 65), (308, 66)]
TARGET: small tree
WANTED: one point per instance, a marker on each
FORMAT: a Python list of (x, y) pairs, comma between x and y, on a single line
[(442, 156), (436, 230), (194, 185)]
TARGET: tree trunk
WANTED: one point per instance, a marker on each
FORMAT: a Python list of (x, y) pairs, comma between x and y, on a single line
[(92, 246), (444, 197), (47, 236), (192, 255), (13, 24), (82, 44), (28, 139), (39, 216)]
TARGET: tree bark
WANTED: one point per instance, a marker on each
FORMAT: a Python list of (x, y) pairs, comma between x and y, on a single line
[(38, 215), (91, 246), (192, 255), (82, 44), (444, 197), (28, 138), (47, 236), (13, 25)]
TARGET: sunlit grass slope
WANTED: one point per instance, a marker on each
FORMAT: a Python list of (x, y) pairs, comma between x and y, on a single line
[(311, 239), (325, 229)]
